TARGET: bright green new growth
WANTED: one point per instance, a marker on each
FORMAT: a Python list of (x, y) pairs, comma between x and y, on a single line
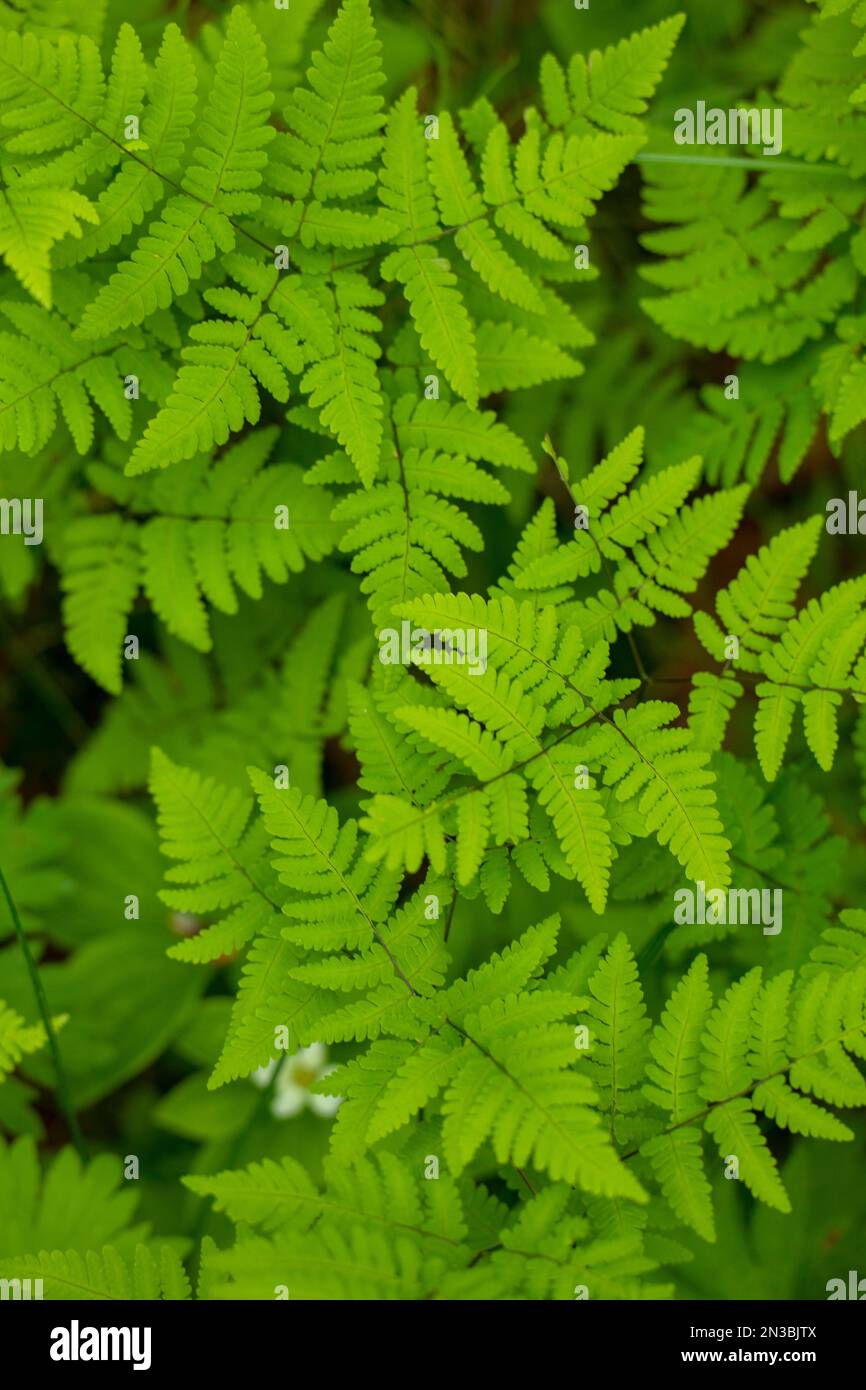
[(16, 1039), (283, 321)]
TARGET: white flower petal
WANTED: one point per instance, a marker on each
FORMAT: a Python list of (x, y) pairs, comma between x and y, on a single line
[(325, 1105), (312, 1058), (289, 1100), (262, 1075)]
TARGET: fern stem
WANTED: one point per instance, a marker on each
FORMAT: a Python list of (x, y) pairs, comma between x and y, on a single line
[(524, 1179), (753, 868), (732, 161), (36, 981), (643, 675), (450, 918)]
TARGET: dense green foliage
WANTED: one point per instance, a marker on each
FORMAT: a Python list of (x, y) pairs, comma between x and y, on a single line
[(324, 327)]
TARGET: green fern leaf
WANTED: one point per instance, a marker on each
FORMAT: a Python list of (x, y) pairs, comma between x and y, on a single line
[(220, 184)]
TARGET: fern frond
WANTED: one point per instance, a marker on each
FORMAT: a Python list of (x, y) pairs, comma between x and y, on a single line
[(72, 1205), (327, 1264), (815, 649), (442, 322), (758, 603), (459, 430), (141, 183), (609, 90), (17, 1039), (530, 665), (760, 1050), (661, 773), (205, 827), (345, 388), (389, 761), (317, 859), (822, 91), (499, 1092), (462, 206), (607, 535), (711, 702), (220, 183), (333, 135), (752, 296), (661, 570), (32, 221), (408, 530), (378, 1194), (43, 367), (193, 539), (50, 85), (619, 1024), (100, 585), (109, 1273), (497, 1052)]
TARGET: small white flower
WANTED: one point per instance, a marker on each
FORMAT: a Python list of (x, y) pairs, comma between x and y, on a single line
[(294, 1079)]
